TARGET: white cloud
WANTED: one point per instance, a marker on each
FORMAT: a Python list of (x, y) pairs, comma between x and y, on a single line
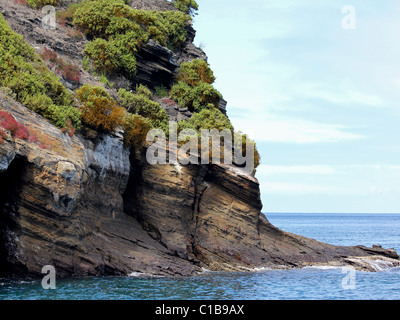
[(344, 180), (291, 130), (344, 94), (293, 76), (312, 169), (295, 188)]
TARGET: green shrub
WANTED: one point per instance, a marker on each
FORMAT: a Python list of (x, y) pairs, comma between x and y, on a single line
[(103, 78), (103, 54), (64, 116), (242, 145), (195, 98), (94, 16), (26, 75), (194, 89), (186, 6), (113, 55), (140, 104), (41, 3), (39, 103), (161, 91), (119, 31), (8, 92), (170, 27), (213, 118), (86, 63), (208, 119), (143, 90), (195, 71)]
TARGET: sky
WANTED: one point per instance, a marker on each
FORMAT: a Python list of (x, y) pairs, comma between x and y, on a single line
[(317, 86)]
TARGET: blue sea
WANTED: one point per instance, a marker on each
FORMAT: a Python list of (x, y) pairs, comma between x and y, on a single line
[(299, 284)]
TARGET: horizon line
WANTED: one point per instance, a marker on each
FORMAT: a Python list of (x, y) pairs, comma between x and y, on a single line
[(291, 212)]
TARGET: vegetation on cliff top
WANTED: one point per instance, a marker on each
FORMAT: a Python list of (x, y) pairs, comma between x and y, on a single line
[(141, 104), (194, 89), (27, 76), (186, 6), (118, 32), (41, 3), (99, 109)]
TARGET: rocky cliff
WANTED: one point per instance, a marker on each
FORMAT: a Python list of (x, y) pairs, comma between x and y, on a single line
[(91, 207)]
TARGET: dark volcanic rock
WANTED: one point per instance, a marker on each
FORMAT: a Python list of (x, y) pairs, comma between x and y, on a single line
[(155, 65)]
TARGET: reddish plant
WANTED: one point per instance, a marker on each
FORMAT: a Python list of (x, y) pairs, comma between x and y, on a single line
[(22, 133), (17, 130), (70, 72), (169, 102), (21, 2), (69, 129), (49, 55), (66, 70), (33, 139), (8, 122)]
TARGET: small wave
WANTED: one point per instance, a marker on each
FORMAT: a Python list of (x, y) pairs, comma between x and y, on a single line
[(262, 269), (143, 275), (139, 275), (380, 265), (324, 267)]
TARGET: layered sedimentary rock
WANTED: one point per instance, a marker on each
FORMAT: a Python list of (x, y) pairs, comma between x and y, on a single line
[(89, 206)]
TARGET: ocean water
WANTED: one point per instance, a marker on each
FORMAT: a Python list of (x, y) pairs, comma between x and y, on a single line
[(299, 284)]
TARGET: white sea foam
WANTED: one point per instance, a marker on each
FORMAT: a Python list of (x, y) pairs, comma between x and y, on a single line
[(136, 274), (380, 265), (262, 269), (377, 264), (324, 267), (143, 275)]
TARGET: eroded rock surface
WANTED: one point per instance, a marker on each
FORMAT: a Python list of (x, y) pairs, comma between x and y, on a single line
[(89, 206)]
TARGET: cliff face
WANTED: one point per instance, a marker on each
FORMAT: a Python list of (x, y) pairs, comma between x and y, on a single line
[(89, 206)]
